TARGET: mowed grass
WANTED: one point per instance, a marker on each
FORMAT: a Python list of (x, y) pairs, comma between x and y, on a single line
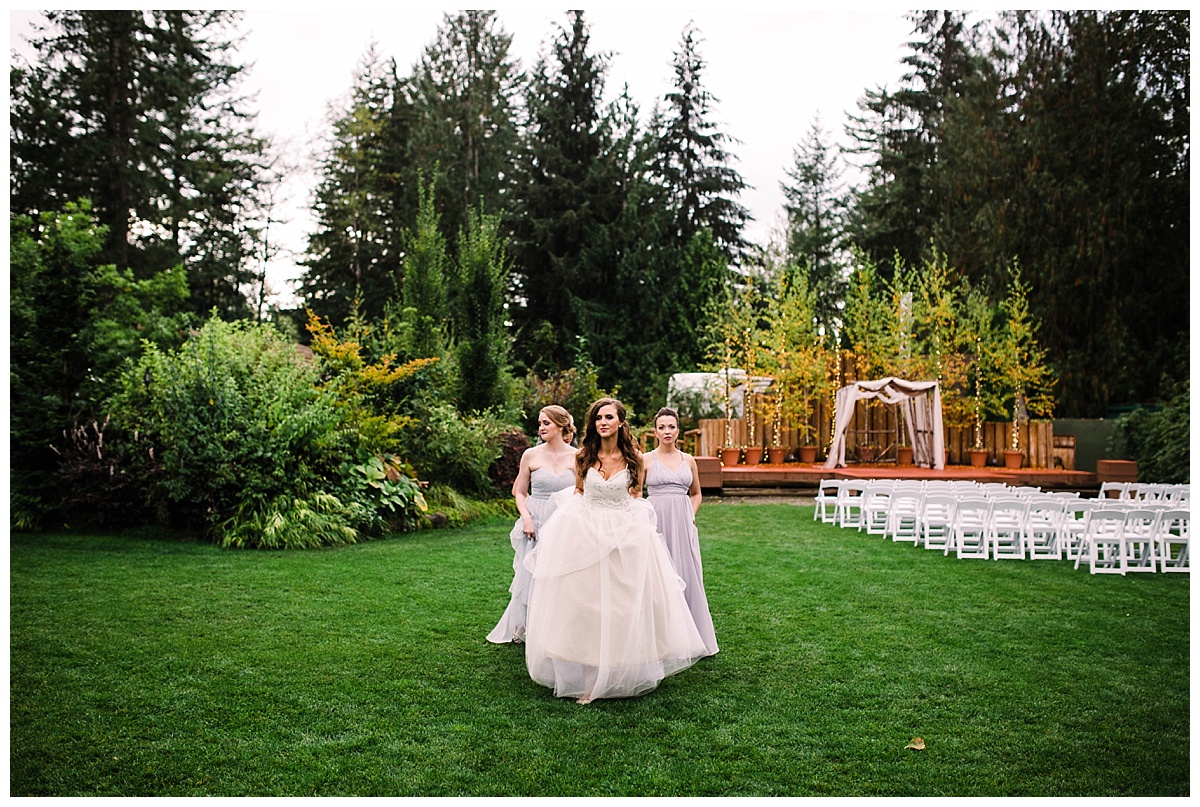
[(142, 665)]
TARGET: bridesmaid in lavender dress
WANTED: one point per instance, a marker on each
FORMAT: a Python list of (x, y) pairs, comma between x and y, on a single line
[(545, 470), (673, 485)]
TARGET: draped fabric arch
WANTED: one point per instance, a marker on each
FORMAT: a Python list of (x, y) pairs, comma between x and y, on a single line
[(921, 403)]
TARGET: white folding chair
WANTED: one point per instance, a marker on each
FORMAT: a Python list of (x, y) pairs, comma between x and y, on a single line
[(1174, 530), (1114, 490), (1139, 540), (970, 538), (904, 515), (877, 500), (1147, 492), (1006, 528), (1074, 521), (849, 503), (937, 521), (826, 509), (1177, 495), (1043, 522), (1101, 544)]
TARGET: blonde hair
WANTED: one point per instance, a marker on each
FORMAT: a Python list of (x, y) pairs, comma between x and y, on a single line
[(561, 418)]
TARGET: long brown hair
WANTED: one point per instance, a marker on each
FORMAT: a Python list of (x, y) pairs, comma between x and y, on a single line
[(589, 451)]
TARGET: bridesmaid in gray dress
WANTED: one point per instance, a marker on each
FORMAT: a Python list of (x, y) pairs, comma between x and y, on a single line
[(673, 486), (546, 469)]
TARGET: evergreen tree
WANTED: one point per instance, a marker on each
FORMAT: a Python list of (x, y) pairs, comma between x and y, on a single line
[(460, 115), (481, 339), (570, 192), (902, 132), (816, 207), (353, 260), (426, 278), (692, 162), (1069, 150), (137, 111)]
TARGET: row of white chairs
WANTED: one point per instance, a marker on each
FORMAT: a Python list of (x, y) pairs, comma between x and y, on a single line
[(982, 520), (1147, 492)]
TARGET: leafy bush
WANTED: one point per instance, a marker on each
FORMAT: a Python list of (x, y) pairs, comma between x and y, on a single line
[(1159, 441), (450, 448), (102, 475), (255, 449), (456, 510)]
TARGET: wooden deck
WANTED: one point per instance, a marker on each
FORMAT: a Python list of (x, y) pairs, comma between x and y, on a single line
[(808, 476)]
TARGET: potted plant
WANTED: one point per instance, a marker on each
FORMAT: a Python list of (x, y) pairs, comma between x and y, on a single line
[(800, 361), (729, 455), (1019, 363), (776, 451)]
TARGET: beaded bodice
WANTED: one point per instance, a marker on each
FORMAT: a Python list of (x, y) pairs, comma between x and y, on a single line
[(608, 493)]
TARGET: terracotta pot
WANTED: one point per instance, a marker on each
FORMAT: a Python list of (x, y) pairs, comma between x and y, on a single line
[(865, 453), (904, 455), (978, 457), (753, 455), (807, 453), (729, 456), (1013, 459), (775, 455)]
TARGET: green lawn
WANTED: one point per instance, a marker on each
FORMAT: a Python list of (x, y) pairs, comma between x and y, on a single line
[(142, 665)]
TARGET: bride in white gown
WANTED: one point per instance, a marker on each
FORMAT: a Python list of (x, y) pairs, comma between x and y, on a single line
[(607, 616)]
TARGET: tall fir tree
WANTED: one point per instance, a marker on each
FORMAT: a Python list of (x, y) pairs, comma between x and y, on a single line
[(427, 278), (353, 258), (902, 132), (459, 112), (1069, 149), (693, 162), (570, 192), (481, 340), (816, 204), (138, 111)]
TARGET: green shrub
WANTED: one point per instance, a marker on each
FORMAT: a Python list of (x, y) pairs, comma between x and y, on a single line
[(1158, 440), (453, 449), (254, 447), (459, 510)]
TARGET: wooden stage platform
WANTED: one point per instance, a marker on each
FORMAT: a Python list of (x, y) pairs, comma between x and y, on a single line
[(808, 475)]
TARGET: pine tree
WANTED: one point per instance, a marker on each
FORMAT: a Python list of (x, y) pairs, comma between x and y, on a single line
[(903, 132), (481, 339), (461, 117), (137, 111), (570, 192), (692, 162), (816, 207), (426, 278), (353, 260)]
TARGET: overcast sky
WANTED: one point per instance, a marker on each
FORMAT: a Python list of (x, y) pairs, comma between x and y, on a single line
[(772, 71)]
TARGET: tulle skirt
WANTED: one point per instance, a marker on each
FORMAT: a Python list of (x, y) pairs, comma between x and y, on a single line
[(607, 616), (512, 622)]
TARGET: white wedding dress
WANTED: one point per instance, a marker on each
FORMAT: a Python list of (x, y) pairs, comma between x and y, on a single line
[(607, 616)]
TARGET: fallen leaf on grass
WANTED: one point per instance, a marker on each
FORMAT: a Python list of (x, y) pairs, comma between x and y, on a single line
[(917, 744)]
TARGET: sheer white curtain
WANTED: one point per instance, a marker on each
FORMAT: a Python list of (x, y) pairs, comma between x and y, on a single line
[(922, 406)]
